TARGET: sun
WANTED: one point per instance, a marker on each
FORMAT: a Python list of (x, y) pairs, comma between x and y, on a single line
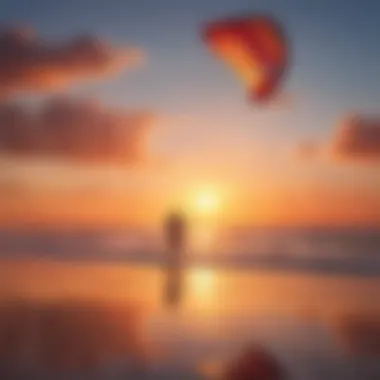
[(206, 202)]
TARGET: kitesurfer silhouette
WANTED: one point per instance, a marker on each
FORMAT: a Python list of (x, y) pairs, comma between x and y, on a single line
[(175, 227)]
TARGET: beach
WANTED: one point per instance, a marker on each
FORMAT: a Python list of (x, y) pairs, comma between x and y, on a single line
[(298, 317)]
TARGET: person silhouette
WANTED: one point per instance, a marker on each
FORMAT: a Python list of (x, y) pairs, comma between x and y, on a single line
[(175, 233)]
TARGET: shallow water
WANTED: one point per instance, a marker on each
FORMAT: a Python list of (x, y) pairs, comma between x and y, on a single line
[(301, 318)]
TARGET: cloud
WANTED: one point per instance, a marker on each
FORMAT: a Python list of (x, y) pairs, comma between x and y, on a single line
[(308, 150), (76, 130), (283, 100), (28, 63), (358, 138), (359, 335)]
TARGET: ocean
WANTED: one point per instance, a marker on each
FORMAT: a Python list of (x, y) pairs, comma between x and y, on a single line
[(308, 296)]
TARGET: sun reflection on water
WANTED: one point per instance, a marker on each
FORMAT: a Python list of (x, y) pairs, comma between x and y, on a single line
[(202, 286)]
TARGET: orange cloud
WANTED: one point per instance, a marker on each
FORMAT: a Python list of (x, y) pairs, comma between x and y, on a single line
[(28, 63), (358, 138), (307, 150), (81, 131)]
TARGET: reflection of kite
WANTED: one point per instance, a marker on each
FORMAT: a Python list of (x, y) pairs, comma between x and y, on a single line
[(255, 363), (359, 334), (255, 47)]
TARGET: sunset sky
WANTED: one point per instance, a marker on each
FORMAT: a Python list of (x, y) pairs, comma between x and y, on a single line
[(182, 128)]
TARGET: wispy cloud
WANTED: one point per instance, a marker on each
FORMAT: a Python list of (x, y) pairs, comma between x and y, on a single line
[(356, 139), (29, 63), (75, 130), (307, 150)]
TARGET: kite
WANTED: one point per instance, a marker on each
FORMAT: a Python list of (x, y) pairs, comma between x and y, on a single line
[(256, 48)]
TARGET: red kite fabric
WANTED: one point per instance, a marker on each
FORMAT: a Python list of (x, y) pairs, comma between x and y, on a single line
[(255, 47)]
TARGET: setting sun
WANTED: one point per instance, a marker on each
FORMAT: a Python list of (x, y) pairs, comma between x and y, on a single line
[(206, 202)]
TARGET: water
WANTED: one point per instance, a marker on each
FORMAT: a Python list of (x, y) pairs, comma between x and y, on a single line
[(296, 316), (320, 321), (353, 250)]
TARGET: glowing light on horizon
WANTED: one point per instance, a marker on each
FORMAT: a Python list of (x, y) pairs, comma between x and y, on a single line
[(206, 202)]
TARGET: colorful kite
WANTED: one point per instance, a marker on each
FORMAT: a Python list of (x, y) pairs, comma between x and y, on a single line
[(255, 47)]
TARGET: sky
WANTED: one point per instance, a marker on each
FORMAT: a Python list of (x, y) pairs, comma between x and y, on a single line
[(189, 129)]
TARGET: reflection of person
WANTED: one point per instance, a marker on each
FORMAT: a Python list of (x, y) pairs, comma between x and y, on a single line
[(175, 231), (254, 364)]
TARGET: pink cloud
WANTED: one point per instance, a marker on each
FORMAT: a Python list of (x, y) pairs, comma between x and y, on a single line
[(308, 150), (75, 130), (358, 138), (29, 63)]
